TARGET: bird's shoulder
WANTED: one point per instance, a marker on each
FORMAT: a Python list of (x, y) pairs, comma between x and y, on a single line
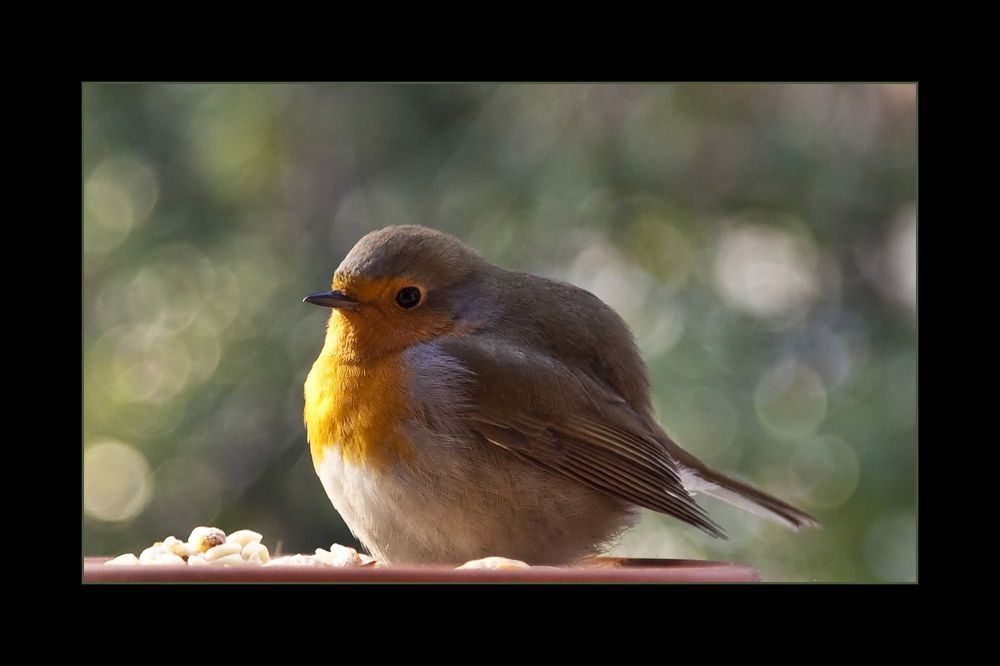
[(554, 321)]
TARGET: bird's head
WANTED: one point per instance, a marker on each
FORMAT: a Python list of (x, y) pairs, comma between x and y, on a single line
[(397, 287)]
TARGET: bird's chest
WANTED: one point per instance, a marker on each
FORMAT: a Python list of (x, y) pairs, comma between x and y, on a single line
[(357, 411), (439, 506)]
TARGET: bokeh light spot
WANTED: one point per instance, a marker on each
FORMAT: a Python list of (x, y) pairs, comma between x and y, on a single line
[(150, 365), (116, 481), (658, 327), (901, 257), (120, 193), (703, 421), (229, 139), (663, 250), (791, 399), (108, 216), (766, 272), (602, 270), (824, 472)]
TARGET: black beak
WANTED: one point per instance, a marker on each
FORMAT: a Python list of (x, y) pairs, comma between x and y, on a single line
[(332, 299)]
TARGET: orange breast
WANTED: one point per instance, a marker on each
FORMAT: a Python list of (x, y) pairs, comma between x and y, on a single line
[(356, 408)]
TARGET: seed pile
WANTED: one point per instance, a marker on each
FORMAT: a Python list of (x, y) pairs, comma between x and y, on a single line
[(208, 546)]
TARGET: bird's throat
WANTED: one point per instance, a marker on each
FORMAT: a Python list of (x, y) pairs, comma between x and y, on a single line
[(355, 407)]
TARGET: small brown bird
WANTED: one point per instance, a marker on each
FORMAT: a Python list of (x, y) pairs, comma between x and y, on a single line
[(459, 410)]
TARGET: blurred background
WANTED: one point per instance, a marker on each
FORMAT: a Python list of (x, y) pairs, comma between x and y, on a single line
[(760, 240)]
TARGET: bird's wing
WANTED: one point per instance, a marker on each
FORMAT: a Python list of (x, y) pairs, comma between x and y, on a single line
[(567, 422)]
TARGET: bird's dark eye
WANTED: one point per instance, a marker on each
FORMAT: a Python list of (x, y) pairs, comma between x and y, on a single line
[(408, 297)]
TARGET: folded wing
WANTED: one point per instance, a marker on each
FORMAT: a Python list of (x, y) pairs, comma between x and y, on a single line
[(568, 423)]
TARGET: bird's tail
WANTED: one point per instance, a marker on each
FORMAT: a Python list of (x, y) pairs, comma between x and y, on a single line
[(698, 478)]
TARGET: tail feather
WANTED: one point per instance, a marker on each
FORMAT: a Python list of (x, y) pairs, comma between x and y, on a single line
[(746, 497), (698, 478)]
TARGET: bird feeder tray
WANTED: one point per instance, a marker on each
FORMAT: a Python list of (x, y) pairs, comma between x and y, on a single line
[(599, 570)]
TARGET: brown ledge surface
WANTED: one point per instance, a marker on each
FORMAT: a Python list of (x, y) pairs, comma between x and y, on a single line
[(600, 570)]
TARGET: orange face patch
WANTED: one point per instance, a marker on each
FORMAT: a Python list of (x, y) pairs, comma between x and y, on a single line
[(381, 326)]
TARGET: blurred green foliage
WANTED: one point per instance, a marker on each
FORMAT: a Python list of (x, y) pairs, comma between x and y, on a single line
[(759, 239)]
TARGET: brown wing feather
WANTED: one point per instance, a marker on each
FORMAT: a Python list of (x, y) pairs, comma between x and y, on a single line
[(564, 422)]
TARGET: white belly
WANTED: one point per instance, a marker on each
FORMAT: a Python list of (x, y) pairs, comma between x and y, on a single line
[(463, 501)]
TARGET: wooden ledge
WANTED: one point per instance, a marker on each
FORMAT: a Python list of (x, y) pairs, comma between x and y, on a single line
[(600, 570)]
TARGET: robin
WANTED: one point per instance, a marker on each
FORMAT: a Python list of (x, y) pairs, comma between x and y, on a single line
[(459, 410)]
